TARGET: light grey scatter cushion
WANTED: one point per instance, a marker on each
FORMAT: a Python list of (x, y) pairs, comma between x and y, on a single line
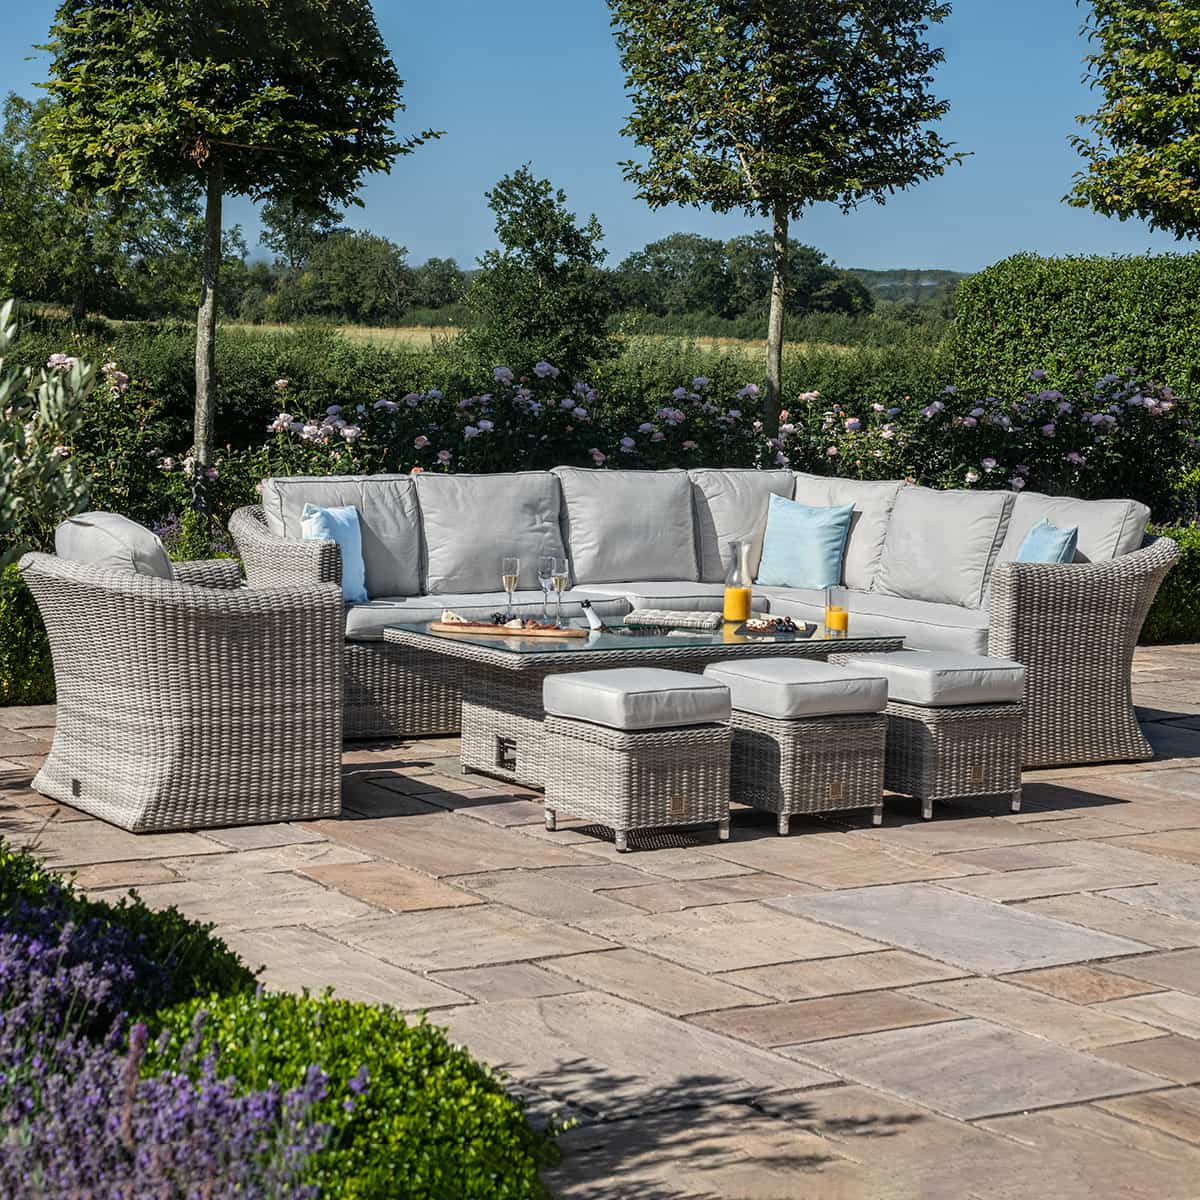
[(940, 545), (731, 505), (387, 517), (114, 542), (624, 525), (1107, 528), (873, 501), (471, 522)]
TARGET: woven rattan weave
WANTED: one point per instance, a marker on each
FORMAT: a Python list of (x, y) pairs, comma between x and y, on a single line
[(191, 702), (808, 765), (638, 780)]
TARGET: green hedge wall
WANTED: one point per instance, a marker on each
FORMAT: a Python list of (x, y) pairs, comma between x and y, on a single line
[(1079, 318), (1175, 616), (26, 672)]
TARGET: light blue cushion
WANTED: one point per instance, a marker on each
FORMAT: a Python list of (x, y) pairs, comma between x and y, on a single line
[(1046, 543), (339, 525), (804, 544)]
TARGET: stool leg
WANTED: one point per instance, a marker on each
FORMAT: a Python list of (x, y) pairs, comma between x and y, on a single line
[(1016, 800), (723, 830), (784, 820), (551, 820), (877, 814), (622, 843), (926, 810)]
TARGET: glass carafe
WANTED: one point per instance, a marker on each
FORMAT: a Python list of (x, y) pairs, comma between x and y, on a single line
[(737, 582)]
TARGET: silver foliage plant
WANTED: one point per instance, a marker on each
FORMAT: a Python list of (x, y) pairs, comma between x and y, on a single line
[(41, 411)]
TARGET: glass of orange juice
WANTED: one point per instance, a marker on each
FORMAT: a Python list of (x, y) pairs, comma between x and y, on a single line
[(837, 618), (737, 601)]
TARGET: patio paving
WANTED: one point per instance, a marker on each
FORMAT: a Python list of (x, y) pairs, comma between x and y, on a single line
[(991, 1006)]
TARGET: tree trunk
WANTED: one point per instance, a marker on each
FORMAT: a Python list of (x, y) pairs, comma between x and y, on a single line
[(79, 307), (206, 319), (770, 415)]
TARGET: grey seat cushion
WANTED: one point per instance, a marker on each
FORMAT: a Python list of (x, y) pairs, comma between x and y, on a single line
[(681, 595), (922, 625), (387, 517), (471, 522), (873, 502), (113, 542), (628, 525), (941, 545), (636, 698), (366, 622), (943, 680), (790, 688), (1107, 528), (731, 505)]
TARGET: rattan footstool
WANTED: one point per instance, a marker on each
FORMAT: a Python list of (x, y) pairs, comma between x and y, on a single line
[(807, 737), (954, 724), (637, 748)]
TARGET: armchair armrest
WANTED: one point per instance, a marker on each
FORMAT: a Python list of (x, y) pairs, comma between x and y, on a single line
[(1075, 627), (212, 572), (271, 560)]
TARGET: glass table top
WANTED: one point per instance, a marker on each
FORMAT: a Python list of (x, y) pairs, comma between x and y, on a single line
[(610, 640)]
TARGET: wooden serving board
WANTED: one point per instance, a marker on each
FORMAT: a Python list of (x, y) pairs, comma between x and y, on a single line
[(500, 631)]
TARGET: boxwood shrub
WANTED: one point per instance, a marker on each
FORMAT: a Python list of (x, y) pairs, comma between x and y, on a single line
[(26, 672), (1175, 615), (412, 1115)]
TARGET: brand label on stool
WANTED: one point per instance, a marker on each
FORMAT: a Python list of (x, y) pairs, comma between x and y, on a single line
[(835, 791), (977, 775), (678, 806)]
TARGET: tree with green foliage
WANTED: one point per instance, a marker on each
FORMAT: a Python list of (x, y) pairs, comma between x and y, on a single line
[(543, 295), (814, 283), (1142, 153), (771, 105), (294, 232), (438, 283), (237, 97), (681, 273), (355, 276)]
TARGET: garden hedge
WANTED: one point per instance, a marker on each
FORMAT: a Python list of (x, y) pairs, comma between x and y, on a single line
[(1175, 616), (1077, 319), (26, 672)]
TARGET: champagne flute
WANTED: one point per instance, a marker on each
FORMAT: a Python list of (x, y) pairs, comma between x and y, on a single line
[(510, 574), (545, 570), (561, 579)]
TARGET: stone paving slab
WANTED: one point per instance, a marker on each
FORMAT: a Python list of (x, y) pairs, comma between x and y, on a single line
[(388, 885), (509, 981), (81, 843), (1173, 1057), (1178, 969), (970, 1069), (1099, 913), (1080, 985), (827, 1017), (615, 1058), (1180, 900), (1175, 1012), (660, 985), (727, 937), (528, 892), (1183, 844), (840, 976), (442, 939), (1176, 1113), (297, 958), (259, 837), (697, 893), (980, 935), (1032, 1012)]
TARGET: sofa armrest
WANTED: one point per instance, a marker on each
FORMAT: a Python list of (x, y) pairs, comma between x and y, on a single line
[(1075, 627), (271, 560), (211, 572)]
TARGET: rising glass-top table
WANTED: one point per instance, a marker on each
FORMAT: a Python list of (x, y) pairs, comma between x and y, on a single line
[(502, 677)]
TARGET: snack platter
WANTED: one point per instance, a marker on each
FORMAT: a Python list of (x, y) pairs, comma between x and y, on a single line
[(522, 627)]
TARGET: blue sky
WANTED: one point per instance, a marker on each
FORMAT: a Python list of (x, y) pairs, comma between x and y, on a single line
[(539, 81)]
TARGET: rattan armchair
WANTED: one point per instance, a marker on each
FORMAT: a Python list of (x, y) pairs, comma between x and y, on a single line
[(389, 690), (1075, 627), (192, 702)]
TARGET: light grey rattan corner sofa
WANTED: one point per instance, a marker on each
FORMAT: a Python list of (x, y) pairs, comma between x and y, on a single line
[(933, 566)]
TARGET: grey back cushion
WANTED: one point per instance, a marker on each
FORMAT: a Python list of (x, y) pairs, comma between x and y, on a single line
[(873, 503), (114, 542), (471, 522), (941, 545), (1107, 528), (629, 525), (387, 516), (731, 505)]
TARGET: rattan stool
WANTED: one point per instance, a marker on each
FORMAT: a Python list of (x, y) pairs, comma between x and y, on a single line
[(807, 737), (637, 748), (954, 724)]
